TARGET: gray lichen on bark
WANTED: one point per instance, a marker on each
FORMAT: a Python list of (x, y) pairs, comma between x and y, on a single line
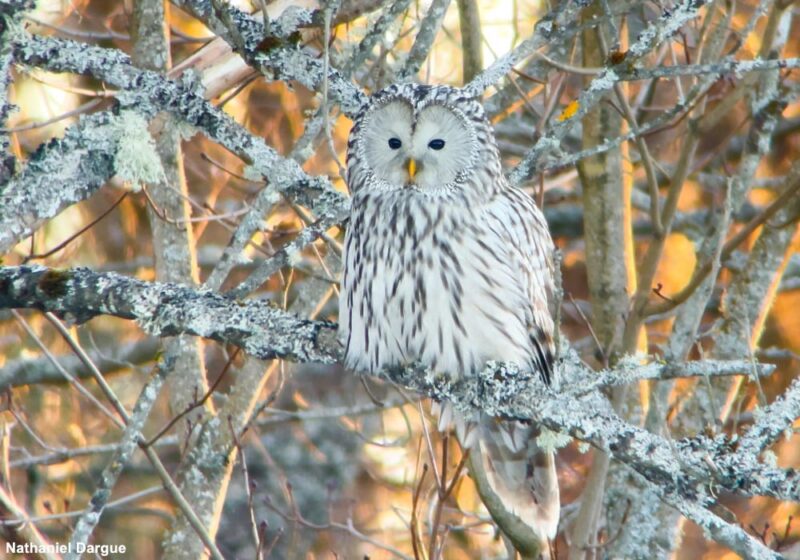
[(10, 12), (259, 328), (665, 475)]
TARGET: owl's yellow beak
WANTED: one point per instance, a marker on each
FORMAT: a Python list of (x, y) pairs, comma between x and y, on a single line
[(411, 168)]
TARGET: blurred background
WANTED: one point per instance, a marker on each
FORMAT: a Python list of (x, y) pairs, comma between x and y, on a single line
[(333, 465)]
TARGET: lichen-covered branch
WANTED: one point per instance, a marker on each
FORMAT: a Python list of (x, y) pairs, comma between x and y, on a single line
[(682, 469), (731, 66), (151, 93), (375, 35), (169, 309), (772, 421), (554, 26), (424, 41), (284, 59), (10, 12), (286, 255), (127, 445), (83, 159), (24, 209), (655, 33)]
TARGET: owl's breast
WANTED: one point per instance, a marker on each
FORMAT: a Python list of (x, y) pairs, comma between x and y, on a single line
[(431, 283)]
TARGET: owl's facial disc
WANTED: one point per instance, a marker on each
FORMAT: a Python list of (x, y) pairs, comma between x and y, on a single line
[(441, 145), (426, 150), (387, 136)]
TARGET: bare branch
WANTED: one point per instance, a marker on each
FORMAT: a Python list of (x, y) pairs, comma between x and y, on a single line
[(471, 39)]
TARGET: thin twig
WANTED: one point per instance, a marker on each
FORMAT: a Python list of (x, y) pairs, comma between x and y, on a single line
[(80, 232), (196, 404), (727, 249), (86, 107)]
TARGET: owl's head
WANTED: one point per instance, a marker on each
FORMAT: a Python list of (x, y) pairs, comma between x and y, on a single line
[(427, 138)]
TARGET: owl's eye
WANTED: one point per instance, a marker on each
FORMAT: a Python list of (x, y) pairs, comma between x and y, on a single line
[(436, 144), (395, 143)]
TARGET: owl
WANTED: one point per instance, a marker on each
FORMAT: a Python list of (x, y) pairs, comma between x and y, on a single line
[(448, 265)]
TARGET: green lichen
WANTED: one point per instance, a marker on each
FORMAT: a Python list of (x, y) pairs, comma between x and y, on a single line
[(136, 160), (550, 441)]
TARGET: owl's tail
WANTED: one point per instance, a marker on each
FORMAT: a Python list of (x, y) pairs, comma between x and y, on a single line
[(516, 479)]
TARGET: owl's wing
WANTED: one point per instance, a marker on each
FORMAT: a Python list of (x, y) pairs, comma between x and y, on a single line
[(515, 477), (530, 254)]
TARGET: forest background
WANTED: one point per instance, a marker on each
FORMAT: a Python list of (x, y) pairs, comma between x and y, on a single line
[(180, 393)]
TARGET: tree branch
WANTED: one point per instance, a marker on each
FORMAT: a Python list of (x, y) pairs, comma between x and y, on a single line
[(282, 58), (86, 154), (655, 33), (169, 309), (266, 332)]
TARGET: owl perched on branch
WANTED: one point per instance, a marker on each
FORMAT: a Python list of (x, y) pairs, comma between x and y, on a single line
[(448, 265)]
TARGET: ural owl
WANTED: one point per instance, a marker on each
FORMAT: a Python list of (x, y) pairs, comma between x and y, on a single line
[(448, 265)]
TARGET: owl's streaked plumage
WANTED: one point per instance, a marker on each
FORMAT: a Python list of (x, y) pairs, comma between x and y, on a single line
[(448, 265)]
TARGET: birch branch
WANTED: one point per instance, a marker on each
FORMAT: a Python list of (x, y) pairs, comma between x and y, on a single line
[(282, 58)]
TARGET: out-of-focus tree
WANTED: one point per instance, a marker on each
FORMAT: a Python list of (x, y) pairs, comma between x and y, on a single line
[(172, 207)]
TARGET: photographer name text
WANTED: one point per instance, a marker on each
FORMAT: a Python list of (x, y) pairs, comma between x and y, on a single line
[(61, 548)]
